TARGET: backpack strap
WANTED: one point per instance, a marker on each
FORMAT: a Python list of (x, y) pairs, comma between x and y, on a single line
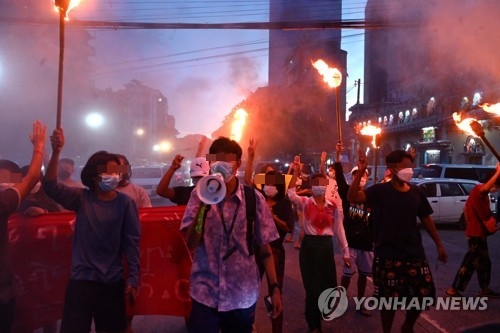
[(250, 207)]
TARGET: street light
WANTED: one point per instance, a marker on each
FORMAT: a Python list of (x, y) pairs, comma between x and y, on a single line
[(94, 120), (333, 77), (63, 7)]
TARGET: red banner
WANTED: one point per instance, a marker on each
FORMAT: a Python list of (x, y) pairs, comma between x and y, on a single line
[(40, 248)]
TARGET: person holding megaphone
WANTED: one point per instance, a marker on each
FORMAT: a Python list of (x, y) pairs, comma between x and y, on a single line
[(225, 281)]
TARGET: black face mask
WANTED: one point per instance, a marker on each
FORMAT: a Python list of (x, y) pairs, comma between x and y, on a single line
[(63, 174)]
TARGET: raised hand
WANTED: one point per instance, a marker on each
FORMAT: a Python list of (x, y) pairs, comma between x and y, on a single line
[(57, 140), (176, 162), (38, 135)]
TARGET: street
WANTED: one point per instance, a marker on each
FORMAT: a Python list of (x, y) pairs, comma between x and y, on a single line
[(434, 321)]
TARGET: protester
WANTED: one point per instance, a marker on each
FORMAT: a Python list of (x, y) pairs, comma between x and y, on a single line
[(136, 192), (224, 283), (65, 170), (37, 202), (400, 266), (321, 220), (358, 231), (13, 189), (199, 167), (477, 213), (106, 230)]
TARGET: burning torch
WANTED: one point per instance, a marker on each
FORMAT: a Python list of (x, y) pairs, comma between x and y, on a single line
[(376, 134), (333, 78), (240, 118), (63, 7), (472, 127)]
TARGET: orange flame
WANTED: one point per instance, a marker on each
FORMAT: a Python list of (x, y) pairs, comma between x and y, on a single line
[(331, 76), (240, 117), (491, 108), (464, 124), (72, 4), (370, 130)]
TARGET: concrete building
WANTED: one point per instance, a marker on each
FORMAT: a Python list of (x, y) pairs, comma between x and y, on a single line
[(421, 68)]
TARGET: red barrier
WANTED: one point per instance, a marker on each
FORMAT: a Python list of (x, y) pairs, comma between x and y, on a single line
[(41, 253)]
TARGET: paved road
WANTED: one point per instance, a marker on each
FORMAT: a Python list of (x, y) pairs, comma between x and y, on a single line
[(432, 321)]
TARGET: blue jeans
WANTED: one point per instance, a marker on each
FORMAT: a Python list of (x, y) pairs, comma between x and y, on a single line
[(204, 319)]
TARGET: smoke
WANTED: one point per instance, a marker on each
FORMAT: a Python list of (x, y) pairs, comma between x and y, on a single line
[(243, 74)]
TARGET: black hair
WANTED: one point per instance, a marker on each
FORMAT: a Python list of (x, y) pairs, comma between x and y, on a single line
[(10, 166), (397, 156), (67, 160), (125, 175), (264, 167), (224, 145), (89, 171), (279, 183), (317, 175)]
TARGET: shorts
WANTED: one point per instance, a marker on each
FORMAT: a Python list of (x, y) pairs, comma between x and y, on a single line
[(86, 300), (403, 278), (361, 261)]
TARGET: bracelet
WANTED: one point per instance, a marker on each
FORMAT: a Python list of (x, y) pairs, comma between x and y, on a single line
[(276, 285)]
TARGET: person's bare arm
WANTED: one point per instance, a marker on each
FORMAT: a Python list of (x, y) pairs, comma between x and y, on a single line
[(201, 147), (163, 188), (57, 142), (322, 162), (491, 182), (252, 145), (429, 225), (38, 138), (355, 195)]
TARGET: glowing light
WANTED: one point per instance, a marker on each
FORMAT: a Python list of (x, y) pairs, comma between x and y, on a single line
[(464, 124), (331, 76), (65, 6), (139, 132), (240, 118), (94, 120), (374, 132), (491, 108)]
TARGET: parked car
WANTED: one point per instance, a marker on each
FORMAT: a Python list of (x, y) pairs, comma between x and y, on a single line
[(458, 171), (149, 177), (447, 198)]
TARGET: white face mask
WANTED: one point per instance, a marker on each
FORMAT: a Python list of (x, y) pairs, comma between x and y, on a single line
[(36, 188), (331, 174), (318, 190), (270, 191), (224, 168), (405, 174)]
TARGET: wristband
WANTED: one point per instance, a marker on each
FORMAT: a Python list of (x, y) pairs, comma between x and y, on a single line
[(276, 285)]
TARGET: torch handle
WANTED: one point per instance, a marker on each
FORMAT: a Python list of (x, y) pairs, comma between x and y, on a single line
[(483, 137), (337, 108), (61, 68)]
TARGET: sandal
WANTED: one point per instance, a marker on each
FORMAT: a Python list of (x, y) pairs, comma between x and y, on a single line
[(453, 293)]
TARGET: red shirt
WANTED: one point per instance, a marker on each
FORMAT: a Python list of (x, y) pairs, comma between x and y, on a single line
[(477, 210)]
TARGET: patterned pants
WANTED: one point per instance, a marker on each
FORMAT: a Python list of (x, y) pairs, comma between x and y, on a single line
[(476, 259)]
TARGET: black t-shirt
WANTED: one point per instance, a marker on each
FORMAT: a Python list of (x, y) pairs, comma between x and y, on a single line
[(283, 209), (182, 195), (394, 216)]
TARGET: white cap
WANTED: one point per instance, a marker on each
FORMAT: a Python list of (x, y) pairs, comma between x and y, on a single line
[(199, 167), (356, 169)]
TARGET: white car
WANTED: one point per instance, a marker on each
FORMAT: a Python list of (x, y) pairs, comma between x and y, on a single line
[(447, 198)]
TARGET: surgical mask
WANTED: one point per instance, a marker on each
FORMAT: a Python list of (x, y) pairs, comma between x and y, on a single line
[(224, 168), (270, 191), (405, 174), (318, 190), (331, 174), (36, 188), (108, 183), (362, 182)]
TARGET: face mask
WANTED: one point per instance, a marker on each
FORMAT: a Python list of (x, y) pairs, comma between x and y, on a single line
[(405, 174), (108, 183), (63, 174), (224, 168), (270, 191), (318, 191), (331, 174), (362, 182), (36, 188)]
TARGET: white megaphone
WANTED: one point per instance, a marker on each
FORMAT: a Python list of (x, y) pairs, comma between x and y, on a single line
[(211, 189)]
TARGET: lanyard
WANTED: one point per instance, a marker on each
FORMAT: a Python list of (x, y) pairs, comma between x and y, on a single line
[(231, 227)]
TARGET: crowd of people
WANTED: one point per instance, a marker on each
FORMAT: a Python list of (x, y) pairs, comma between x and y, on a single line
[(238, 236)]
